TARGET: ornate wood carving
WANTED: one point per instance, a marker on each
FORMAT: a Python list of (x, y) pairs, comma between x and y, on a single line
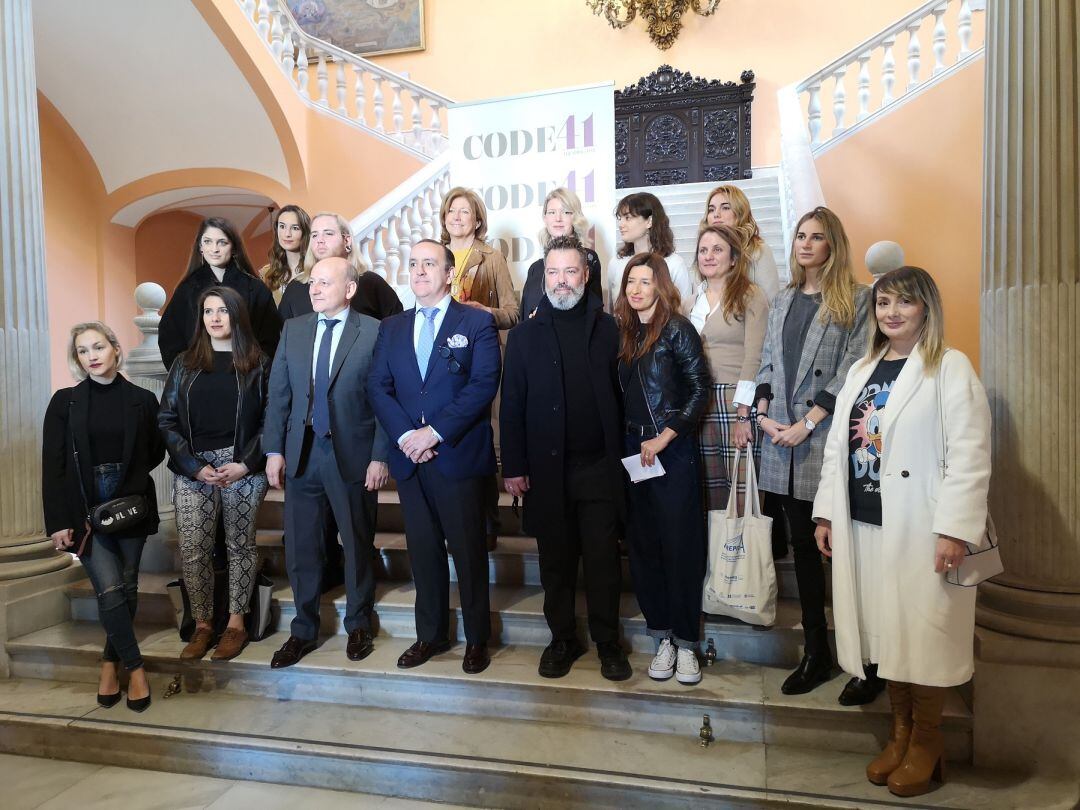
[(674, 127)]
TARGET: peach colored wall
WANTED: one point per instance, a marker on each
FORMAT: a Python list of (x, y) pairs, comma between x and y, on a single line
[(920, 184), (162, 247), (486, 49)]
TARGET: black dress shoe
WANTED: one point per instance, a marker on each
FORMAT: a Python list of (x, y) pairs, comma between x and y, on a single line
[(859, 692), (108, 701), (613, 662), (476, 659), (559, 656), (291, 652), (420, 652), (813, 670), (139, 704), (360, 644)]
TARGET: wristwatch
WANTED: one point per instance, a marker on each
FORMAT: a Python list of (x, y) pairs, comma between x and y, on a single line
[(809, 424)]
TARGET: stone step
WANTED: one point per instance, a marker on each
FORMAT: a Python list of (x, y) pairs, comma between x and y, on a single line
[(517, 618), (463, 759), (515, 561), (743, 700)]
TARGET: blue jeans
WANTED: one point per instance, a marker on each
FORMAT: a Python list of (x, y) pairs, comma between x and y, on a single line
[(113, 568)]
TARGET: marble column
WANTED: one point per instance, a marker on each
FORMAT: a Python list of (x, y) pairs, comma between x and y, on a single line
[(1027, 672), (24, 328)]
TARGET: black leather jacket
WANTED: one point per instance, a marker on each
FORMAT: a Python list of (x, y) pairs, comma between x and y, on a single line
[(674, 375), (175, 423)]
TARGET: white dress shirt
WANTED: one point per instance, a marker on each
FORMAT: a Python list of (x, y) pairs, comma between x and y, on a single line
[(418, 324)]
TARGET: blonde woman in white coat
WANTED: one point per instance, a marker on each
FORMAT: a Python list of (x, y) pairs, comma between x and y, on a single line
[(910, 446)]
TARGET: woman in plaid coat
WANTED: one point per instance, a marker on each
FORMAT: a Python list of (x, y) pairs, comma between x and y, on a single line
[(816, 330)]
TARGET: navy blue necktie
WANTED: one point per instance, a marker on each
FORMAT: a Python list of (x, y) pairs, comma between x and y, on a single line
[(320, 409)]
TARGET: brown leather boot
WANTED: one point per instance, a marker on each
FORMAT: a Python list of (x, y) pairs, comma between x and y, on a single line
[(925, 757), (199, 644), (893, 754), (230, 644)]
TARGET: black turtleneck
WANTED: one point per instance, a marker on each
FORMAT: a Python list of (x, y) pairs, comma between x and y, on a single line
[(584, 430), (106, 422)]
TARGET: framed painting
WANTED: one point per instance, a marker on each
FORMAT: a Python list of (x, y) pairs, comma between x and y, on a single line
[(364, 27)]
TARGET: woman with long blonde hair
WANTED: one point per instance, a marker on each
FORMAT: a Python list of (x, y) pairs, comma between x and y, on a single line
[(816, 330), (899, 502), (728, 205)]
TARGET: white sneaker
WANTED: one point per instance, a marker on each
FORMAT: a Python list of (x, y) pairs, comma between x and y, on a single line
[(663, 663), (686, 666)]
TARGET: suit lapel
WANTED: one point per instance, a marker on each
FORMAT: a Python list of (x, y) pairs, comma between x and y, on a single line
[(907, 383), (307, 342), (131, 424), (349, 331), (449, 325)]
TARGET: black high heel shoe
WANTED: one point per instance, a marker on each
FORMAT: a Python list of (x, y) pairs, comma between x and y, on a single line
[(108, 701), (139, 704)]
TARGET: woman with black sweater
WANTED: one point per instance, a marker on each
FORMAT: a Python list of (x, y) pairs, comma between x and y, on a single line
[(100, 441), (212, 417), (217, 258)]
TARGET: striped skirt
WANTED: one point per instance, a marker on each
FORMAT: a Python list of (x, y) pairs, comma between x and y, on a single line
[(716, 437)]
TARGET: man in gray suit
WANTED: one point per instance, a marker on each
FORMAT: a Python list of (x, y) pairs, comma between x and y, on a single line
[(324, 445)]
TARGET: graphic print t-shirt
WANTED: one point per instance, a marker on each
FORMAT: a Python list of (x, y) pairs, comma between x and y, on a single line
[(864, 444)]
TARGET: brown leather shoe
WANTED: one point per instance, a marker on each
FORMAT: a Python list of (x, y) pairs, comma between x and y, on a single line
[(420, 652), (476, 659), (199, 644), (360, 645), (230, 644), (291, 652), (890, 758)]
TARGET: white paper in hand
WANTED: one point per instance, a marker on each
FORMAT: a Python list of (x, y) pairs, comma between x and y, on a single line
[(639, 472)]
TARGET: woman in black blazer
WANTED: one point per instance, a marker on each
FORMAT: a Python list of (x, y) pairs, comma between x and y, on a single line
[(101, 442)]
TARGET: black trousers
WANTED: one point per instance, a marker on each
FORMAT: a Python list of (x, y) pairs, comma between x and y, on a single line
[(809, 572), (310, 497), (591, 535), (441, 513), (667, 541)]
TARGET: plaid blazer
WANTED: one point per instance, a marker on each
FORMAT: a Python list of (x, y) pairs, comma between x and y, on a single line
[(828, 352)]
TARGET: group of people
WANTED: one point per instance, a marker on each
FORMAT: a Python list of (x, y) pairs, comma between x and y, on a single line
[(309, 376)]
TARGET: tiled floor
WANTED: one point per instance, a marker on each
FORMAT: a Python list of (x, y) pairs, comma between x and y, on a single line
[(30, 783)]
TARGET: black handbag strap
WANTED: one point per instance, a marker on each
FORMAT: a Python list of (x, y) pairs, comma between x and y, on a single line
[(78, 469)]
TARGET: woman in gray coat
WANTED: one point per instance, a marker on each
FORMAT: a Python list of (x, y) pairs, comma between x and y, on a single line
[(816, 330)]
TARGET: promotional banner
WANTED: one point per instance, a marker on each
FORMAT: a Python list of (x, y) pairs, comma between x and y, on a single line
[(515, 151)]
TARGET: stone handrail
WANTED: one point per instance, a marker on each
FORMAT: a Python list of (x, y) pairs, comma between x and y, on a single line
[(386, 231), (359, 92), (947, 25)]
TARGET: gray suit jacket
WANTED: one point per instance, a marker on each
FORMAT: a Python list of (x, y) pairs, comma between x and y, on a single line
[(828, 352), (357, 436)]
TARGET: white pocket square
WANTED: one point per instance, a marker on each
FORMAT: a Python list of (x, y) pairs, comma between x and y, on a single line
[(457, 341)]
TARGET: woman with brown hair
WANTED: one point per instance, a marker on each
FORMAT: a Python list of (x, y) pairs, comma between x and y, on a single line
[(481, 278), (728, 205), (212, 418), (730, 313), (665, 382), (644, 228), (291, 227), (816, 330)]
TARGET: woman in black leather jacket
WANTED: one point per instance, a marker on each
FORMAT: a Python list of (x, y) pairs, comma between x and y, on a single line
[(665, 382), (212, 418)]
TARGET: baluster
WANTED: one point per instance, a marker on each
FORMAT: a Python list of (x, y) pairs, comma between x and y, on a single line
[(377, 102), (963, 25), (288, 59), (813, 114), (415, 232), (263, 25), (361, 102), (914, 51), (302, 70), (378, 252), (436, 122), (276, 38), (888, 71), (321, 78), (398, 116), (249, 8), (405, 243), (864, 86), (341, 108), (417, 121), (365, 251), (940, 37), (427, 216), (839, 100), (393, 250)]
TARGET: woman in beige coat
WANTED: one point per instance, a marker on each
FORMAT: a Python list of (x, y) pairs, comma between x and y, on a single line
[(902, 496)]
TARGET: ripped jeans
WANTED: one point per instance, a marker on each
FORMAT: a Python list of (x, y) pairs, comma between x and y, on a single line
[(113, 568)]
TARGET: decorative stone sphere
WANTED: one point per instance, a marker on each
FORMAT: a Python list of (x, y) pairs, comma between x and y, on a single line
[(150, 296), (883, 257)]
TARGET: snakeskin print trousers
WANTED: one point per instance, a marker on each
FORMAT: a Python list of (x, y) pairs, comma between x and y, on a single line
[(197, 506)]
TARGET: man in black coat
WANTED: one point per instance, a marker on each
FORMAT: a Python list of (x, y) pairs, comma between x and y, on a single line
[(562, 439)]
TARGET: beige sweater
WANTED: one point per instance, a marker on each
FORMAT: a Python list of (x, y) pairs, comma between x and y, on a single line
[(733, 346)]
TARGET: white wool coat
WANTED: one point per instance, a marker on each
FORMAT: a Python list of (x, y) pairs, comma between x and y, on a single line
[(927, 625)]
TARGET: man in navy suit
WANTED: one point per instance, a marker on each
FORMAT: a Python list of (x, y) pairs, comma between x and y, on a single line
[(433, 378)]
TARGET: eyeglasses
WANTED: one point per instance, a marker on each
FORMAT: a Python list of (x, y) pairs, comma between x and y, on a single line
[(453, 365)]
